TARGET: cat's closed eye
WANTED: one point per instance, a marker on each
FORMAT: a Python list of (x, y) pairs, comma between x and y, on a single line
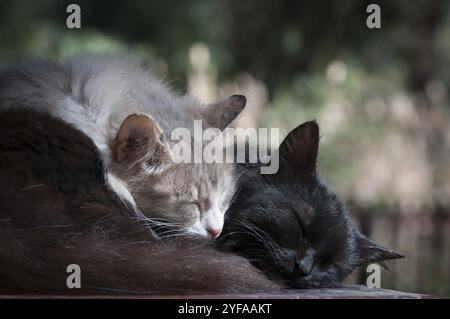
[(197, 206), (301, 227)]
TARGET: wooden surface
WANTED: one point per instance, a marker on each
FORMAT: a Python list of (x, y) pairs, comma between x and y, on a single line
[(348, 292)]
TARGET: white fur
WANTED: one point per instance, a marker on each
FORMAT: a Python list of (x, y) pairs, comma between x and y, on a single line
[(103, 91), (119, 187), (95, 94), (214, 217)]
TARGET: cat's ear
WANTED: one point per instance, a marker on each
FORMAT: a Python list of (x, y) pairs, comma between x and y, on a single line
[(221, 114), (140, 139), (297, 153), (370, 252)]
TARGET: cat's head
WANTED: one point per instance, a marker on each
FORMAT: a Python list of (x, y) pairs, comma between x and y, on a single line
[(176, 198), (291, 225)]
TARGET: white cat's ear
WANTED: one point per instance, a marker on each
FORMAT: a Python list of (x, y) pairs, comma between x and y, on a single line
[(140, 139), (222, 113)]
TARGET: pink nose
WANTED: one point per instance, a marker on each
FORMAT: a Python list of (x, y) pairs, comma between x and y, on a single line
[(213, 232)]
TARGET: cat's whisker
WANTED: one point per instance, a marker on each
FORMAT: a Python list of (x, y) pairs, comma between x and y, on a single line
[(173, 235), (134, 243), (234, 196), (158, 222), (45, 227), (253, 229), (168, 233), (250, 231), (232, 233)]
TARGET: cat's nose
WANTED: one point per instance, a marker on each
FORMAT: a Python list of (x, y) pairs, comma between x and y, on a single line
[(304, 266), (214, 232)]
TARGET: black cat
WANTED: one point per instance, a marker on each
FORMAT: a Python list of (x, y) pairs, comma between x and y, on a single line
[(291, 225)]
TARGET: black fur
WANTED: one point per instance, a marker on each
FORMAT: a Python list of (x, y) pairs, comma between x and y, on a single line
[(291, 225)]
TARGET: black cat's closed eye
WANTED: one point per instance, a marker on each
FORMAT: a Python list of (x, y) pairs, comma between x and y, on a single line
[(300, 224)]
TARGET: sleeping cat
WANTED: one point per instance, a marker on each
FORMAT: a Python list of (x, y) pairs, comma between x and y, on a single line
[(130, 115), (291, 225), (55, 210)]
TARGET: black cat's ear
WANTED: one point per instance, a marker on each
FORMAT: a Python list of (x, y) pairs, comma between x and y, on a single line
[(298, 151), (221, 114), (370, 252), (140, 139)]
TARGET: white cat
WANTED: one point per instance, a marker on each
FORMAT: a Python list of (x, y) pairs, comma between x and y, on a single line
[(129, 115)]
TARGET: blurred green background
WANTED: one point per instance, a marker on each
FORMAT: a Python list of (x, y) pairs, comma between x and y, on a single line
[(379, 95)]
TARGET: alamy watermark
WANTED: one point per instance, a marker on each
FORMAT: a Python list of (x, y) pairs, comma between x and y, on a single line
[(374, 278), (373, 21), (74, 279), (215, 146), (73, 20)]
